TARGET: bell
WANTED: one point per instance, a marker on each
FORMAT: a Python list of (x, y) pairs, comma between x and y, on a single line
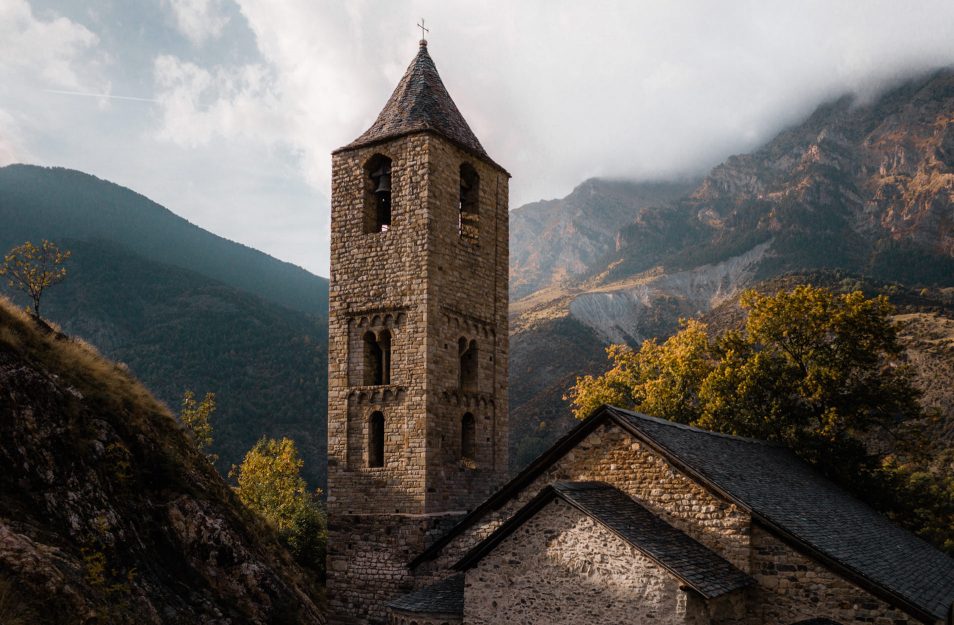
[(384, 184)]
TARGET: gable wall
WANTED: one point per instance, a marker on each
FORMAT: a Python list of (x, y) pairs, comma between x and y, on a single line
[(561, 566), (610, 454), (788, 583)]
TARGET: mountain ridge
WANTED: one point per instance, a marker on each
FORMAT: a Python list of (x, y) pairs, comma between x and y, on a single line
[(55, 202), (863, 187)]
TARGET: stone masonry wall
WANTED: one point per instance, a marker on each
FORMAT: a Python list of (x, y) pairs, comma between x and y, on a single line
[(377, 281), (367, 557), (792, 588), (561, 566), (427, 286), (413, 618), (612, 455), (468, 299)]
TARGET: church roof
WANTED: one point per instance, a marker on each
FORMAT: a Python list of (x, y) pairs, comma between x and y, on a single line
[(784, 495), (788, 495), (420, 103), (443, 597), (692, 563)]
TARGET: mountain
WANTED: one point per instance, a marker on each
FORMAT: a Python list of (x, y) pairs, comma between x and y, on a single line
[(54, 203), (865, 188), (108, 514), (198, 316), (579, 229)]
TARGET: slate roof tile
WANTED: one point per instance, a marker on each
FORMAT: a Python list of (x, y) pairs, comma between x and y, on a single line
[(420, 102), (702, 569), (443, 597)]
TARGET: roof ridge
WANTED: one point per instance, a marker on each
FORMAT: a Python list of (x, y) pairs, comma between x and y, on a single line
[(692, 428)]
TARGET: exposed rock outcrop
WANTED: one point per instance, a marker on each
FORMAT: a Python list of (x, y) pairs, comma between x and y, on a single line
[(865, 188), (107, 512)]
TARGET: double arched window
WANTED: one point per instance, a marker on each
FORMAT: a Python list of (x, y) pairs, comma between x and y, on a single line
[(377, 357)]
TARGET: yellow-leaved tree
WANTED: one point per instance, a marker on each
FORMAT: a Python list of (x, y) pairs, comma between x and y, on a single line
[(820, 372), (196, 415), (270, 484), (33, 269)]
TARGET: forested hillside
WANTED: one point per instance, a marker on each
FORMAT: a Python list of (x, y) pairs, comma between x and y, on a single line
[(53, 203), (183, 308)]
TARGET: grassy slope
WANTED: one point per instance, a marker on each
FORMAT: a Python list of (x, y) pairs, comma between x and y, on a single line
[(107, 510), (176, 329)]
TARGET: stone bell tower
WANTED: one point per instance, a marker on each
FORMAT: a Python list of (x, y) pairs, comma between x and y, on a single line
[(417, 356)]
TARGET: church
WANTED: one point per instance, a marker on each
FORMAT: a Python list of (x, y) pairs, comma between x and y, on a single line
[(626, 519)]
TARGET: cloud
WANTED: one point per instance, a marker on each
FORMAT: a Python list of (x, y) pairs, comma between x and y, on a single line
[(557, 90), (11, 141), (199, 20), (55, 51), (228, 102)]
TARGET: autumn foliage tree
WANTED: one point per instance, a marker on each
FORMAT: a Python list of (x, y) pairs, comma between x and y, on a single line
[(270, 484), (33, 269), (809, 366), (196, 416), (820, 372)]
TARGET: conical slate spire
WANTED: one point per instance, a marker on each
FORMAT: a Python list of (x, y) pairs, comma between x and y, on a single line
[(421, 103)]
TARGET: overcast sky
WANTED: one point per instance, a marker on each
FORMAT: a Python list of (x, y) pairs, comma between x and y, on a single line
[(225, 111)]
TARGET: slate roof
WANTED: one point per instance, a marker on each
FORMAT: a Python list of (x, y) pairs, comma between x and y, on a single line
[(420, 102), (694, 564), (444, 597), (784, 495)]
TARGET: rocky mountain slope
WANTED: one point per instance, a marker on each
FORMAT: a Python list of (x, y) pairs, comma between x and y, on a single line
[(107, 512), (579, 229), (863, 187), (183, 308)]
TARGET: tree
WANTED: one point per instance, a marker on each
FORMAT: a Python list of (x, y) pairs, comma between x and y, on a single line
[(809, 365), (33, 269), (270, 484), (820, 372), (195, 416), (659, 379)]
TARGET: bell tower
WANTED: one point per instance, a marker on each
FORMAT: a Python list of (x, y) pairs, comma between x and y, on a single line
[(417, 356)]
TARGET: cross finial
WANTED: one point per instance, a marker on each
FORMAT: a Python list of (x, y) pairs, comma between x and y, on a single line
[(423, 31)]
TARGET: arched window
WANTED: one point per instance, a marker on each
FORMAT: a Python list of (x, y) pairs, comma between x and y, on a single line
[(376, 440), (468, 437), (377, 194), (467, 353), (469, 222)]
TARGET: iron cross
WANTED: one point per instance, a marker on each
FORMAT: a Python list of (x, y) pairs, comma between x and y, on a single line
[(423, 30)]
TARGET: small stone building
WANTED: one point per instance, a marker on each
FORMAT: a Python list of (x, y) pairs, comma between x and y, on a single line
[(629, 518), (626, 519)]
